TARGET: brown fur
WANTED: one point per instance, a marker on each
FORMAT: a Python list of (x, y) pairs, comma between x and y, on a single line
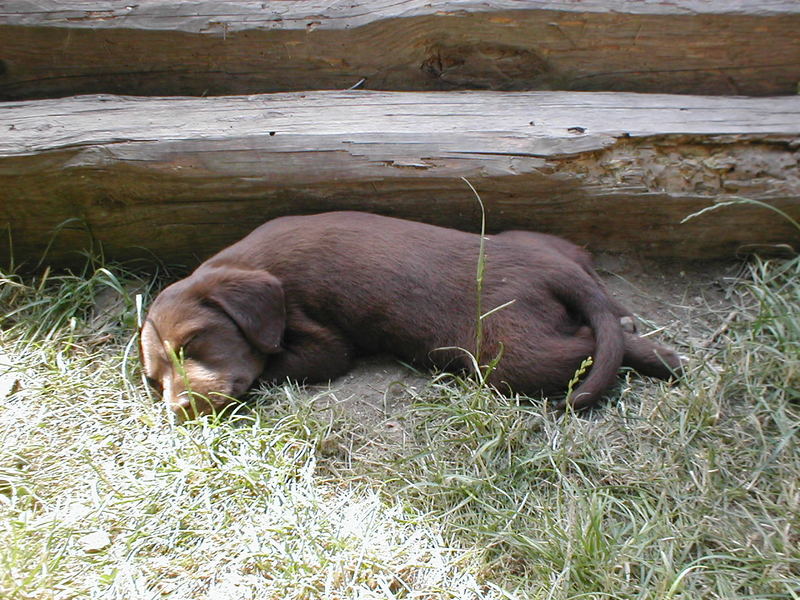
[(301, 297)]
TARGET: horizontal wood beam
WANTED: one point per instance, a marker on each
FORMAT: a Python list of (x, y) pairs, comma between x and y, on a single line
[(51, 48), (181, 177)]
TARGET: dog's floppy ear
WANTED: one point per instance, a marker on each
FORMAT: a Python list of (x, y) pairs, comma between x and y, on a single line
[(254, 301)]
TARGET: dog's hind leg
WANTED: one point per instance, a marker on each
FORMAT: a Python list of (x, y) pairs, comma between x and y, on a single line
[(541, 364), (579, 256), (641, 354), (649, 358)]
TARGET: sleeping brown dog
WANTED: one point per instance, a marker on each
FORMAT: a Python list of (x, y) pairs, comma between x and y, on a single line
[(301, 297)]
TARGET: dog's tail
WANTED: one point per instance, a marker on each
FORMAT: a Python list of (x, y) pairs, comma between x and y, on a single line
[(584, 296)]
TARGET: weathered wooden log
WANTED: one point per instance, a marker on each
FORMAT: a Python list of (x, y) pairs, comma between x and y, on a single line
[(52, 48), (182, 177)]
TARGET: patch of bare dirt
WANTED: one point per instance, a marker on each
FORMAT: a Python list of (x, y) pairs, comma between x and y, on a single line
[(688, 301)]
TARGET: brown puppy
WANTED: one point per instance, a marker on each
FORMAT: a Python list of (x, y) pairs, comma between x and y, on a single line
[(300, 297)]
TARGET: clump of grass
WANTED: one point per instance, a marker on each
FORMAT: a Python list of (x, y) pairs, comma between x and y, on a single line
[(671, 492), (682, 491), (102, 495)]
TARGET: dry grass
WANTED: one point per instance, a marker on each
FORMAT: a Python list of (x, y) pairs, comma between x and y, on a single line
[(687, 491)]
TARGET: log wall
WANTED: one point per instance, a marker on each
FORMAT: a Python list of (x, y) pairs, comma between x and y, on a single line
[(179, 178), (53, 48)]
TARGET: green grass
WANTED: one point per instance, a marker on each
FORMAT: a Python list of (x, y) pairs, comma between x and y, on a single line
[(668, 492)]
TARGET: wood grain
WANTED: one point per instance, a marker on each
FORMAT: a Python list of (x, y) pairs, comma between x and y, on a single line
[(51, 48), (178, 178)]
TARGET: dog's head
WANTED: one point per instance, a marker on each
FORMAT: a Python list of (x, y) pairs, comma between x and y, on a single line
[(206, 338)]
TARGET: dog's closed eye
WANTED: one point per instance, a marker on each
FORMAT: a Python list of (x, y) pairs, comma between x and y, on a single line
[(190, 346)]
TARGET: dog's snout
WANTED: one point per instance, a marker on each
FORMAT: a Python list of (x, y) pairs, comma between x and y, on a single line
[(190, 404), (184, 402), (187, 406), (180, 401)]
